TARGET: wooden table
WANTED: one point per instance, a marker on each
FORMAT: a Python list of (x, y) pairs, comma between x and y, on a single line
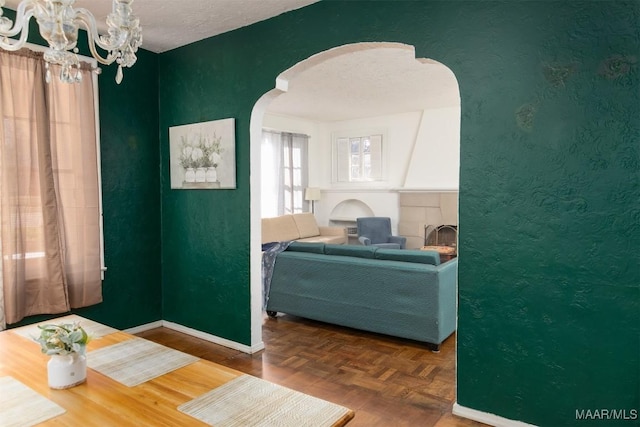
[(101, 401)]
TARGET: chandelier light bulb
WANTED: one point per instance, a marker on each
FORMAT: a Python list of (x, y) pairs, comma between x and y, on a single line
[(59, 23)]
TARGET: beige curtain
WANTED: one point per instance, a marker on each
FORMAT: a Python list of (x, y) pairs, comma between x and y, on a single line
[(48, 190)]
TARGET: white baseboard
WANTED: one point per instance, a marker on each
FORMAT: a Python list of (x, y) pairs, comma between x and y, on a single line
[(142, 328), (198, 334), (486, 418), (214, 339)]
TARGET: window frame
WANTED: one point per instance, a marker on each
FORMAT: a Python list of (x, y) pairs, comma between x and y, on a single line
[(289, 170), (339, 162)]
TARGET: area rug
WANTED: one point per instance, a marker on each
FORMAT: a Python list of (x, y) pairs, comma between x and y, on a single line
[(20, 406), (137, 360), (248, 401), (94, 329)]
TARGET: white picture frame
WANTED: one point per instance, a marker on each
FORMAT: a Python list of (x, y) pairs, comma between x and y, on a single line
[(203, 155)]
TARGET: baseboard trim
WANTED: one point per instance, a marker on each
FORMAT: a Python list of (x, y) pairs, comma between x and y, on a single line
[(145, 327), (486, 418), (213, 338)]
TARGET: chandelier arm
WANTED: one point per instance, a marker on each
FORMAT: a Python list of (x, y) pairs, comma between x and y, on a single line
[(89, 23), (24, 13), (111, 57), (6, 44), (85, 17)]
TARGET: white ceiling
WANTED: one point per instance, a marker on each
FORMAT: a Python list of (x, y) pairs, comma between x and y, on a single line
[(368, 83), (167, 24), (365, 83)]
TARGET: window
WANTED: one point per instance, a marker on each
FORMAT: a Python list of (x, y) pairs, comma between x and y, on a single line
[(50, 200), (358, 158), (284, 173)]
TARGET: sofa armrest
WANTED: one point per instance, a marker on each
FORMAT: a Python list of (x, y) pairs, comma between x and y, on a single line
[(364, 240), (333, 231), (447, 297), (402, 241)]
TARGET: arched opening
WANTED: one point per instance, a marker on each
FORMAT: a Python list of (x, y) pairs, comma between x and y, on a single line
[(423, 102)]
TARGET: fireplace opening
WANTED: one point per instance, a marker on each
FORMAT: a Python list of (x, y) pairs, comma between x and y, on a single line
[(441, 235)]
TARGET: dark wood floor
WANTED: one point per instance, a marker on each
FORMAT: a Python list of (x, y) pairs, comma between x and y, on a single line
[(387, 381)]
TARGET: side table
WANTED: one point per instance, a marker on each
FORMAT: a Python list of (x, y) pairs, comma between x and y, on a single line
[(446, 252)]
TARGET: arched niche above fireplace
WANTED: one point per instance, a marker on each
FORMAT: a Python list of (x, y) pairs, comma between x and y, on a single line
[(349, 210), (344, 214)]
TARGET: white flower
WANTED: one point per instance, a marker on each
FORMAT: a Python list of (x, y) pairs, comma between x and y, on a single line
[(196, 154), (215, 158), (186, 151)]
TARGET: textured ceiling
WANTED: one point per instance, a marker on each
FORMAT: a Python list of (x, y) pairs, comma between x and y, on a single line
[(167, 24), (368, 83)]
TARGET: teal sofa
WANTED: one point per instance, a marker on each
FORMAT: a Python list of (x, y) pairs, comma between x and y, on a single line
[(403, 293)]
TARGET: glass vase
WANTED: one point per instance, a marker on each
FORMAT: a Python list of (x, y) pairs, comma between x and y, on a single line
[(190, 175), (212, 174), (201, 174)]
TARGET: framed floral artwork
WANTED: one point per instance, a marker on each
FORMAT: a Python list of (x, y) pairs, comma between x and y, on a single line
[(203, 155)]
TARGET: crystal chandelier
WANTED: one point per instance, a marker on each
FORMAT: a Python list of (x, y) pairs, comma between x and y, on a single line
[(59, 23)]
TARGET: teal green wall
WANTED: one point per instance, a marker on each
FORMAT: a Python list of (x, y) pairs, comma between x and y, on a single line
[(549, 315), (205, 243), (130, 155), (549, 213)]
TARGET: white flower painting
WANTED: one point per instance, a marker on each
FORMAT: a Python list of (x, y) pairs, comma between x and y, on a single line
[(203, 155)]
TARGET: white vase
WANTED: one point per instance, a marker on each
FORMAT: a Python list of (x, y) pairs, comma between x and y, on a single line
[(212, 174), (190, 175), (67, 371), (201, 174)]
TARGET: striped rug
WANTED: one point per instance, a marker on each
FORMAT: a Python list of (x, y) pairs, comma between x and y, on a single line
[(248, 401), (137, 360), (20, 406), (94, 329)]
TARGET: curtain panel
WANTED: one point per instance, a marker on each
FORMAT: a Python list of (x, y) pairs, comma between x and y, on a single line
[(272, 175), (49, 206), (284, 173)]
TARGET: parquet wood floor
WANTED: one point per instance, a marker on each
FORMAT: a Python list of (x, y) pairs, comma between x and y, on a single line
[(387, 381)]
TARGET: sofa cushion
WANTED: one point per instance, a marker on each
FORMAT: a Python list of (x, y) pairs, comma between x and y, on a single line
[(337, 240), (279, 229), (350, 250), (306, 224), (415, 256), (316, 248)]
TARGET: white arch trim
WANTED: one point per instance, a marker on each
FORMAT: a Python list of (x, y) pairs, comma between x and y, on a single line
[(255, 131)]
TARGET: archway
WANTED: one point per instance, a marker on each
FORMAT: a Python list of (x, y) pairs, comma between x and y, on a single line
[(412, 168)]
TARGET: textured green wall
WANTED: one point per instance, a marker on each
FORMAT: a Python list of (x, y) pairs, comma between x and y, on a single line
[(549, 315), (549, 198), (205, 243), (132, 293)]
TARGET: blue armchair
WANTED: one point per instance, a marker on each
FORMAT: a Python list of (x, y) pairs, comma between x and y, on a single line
[(376, 231)]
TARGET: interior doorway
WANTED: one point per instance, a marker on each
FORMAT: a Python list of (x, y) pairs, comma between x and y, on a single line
[(412, 173)]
